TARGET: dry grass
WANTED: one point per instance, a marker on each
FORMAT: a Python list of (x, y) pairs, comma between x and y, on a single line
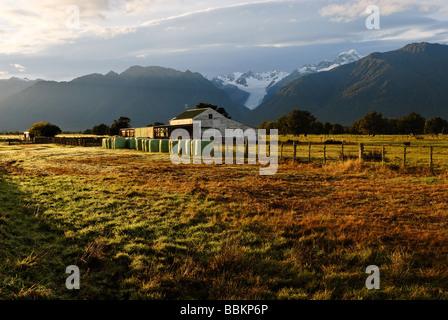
[(141, 227)]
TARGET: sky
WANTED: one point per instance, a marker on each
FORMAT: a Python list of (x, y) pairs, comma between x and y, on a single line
[(64, 39)]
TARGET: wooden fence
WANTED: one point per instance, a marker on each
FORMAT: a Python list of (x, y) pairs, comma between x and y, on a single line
[(78, 142), (75, 141), (391, 154)]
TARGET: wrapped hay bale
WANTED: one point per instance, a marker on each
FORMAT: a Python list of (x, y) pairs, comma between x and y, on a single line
[(164, 146), (154, 145), (139, 144), (119, 143), (130, 143)]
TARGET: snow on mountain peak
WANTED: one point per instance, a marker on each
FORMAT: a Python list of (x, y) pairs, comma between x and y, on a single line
[(256, 84)]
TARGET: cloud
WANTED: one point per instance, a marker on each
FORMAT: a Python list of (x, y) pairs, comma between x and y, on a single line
[(351, 10), (18, 67), (32, 26)]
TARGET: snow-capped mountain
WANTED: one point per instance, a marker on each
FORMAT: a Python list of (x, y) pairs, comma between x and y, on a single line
[(252, 88), (326, 65), (254, 84)]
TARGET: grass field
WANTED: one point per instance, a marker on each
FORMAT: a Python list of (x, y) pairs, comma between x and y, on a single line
[(140, 227)]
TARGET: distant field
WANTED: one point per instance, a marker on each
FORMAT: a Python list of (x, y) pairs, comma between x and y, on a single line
[(140, 227)]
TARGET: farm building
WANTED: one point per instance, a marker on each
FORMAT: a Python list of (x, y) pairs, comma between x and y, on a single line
[(127, 132), (208, 117)]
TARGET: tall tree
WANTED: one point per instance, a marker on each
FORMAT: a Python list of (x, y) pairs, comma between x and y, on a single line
[(412, 123), (101, 129), (221, 110), (372, 123), (436, 125), (121, 123), (44, 129), (282, 125), (300, 122)]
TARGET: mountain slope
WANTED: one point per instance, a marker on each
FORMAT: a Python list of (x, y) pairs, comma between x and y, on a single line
[(8, 87), (143, 94), (252, 88), (395, 83), (325, 65)]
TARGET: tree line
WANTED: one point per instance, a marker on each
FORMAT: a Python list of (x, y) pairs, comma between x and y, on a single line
[(112, 130), (303, 122)]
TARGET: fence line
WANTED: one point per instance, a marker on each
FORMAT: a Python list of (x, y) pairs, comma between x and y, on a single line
[(75, 141), (397, 154)]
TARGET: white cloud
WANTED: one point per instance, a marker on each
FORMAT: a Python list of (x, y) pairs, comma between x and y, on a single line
[(31, 26), (351, 10), (18, 67)]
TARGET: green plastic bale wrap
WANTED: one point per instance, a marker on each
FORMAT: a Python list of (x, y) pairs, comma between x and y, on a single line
[(139, 143), (173, 143), (164, 146), (119, 143), (145, 145), (130, 143), (199, 146), (109, 143), (154, 145)]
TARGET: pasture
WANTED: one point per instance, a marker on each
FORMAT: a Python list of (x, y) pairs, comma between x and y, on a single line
[(140, 227)]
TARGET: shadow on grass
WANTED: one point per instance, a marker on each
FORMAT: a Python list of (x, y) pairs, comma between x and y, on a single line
[(31, 264)]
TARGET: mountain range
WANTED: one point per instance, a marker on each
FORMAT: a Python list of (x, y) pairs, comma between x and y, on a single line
[(8, 87), (395, 83), (252, 88), (144, 94)]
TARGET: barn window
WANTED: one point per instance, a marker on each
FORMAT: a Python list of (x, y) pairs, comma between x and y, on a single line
[(210, 116)]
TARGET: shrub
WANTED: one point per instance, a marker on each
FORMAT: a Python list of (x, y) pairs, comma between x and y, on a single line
[(44, 129)]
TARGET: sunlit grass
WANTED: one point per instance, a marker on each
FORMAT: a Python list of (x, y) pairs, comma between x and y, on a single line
[(140, 227)]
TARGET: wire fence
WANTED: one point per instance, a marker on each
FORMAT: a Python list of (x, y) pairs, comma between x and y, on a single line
[(404, 155)]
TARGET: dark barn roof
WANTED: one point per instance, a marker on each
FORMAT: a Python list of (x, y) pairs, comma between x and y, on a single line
[(190, 114)]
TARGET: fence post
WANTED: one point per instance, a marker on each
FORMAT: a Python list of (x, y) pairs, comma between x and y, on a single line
[(281, 151), (430, 158), (382, 155), (342, 152), (361, 151), (404, 156), (325, 153), (294, 150), (309, 152)]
